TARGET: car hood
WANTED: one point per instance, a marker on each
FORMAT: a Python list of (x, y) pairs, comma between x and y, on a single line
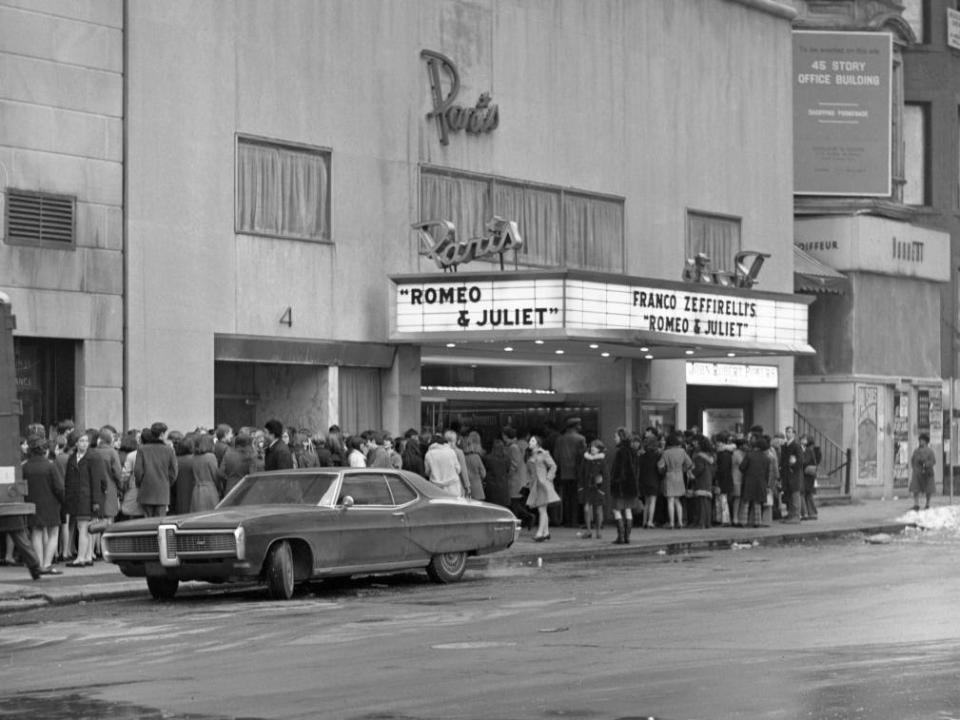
[(229, 517)]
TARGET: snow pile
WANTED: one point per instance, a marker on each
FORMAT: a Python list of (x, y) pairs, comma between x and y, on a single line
[(945, 519)]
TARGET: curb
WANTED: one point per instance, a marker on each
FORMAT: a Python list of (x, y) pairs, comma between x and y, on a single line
[(526, 558)]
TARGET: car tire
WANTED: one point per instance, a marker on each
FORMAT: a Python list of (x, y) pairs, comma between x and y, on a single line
[(448, 567), (162, 588), (279, 571)]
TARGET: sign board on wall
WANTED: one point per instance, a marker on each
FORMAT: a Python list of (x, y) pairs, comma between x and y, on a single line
[(733, 375), (506, 304), (953, 28), (842, 122), (876, 244)]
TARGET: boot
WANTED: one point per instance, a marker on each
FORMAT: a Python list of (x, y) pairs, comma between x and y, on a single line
[(619, 540), (627, 527)]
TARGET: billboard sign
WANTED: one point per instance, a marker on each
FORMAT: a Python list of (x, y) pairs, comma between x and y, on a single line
[(842, 122)]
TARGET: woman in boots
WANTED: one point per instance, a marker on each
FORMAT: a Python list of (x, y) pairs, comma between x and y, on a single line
[(704, 467), (593, 472), (623, 484), (541, 470)]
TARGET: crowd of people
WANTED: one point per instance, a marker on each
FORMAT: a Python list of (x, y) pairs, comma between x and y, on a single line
[(83, 480)]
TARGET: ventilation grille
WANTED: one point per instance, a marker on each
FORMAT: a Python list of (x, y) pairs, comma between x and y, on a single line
[(37, 217)]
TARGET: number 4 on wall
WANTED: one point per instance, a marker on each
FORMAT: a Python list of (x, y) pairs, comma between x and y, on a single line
[(287, 317)]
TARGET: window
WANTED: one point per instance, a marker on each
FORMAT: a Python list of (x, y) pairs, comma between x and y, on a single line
[(559, 227), (366, 490), (717, 236), (916, 13), (282, 190), (38, 218), (402, 493), (916, 153)]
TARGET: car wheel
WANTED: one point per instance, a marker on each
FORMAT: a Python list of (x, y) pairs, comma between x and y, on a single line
[(448, 567), (162, 588), (280, 571)]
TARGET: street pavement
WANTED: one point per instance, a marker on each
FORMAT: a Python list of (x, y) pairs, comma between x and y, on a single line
[(866, 517)]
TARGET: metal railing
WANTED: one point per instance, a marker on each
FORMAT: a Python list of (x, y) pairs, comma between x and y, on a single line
[(834, 470)]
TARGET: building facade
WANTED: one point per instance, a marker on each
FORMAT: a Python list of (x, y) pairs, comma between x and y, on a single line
[(875, 383), (298, 188)]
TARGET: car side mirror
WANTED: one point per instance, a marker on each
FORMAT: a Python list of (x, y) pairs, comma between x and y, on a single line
[(347, 502)]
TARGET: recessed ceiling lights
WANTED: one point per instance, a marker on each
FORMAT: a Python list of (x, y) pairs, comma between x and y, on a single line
[(648, 357), (644, 349), (604, 354), (451, 344), (593, 346), (558, 352), (689, 352), (508, 349), (731, 354), (538, 342)]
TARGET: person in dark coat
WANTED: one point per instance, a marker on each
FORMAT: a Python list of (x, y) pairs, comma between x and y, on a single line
[(624, 486), (45, 491), (411, 457), (184, 447), (568, 450), (84, 485), (791, 475), (648, 475), (495, 486), (756, 472), (239, 461), (155, 471), (277, 455)]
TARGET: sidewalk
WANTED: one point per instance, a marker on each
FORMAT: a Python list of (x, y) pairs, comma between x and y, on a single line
[(104, 581)]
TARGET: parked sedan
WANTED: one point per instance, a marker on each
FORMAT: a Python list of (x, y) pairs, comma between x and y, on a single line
[(289, 526)]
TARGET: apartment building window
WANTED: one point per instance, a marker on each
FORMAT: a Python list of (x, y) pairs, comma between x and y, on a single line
[(283, 190), (37, 218), (559, 226), (917, 15), (916, 153), (717, 236)]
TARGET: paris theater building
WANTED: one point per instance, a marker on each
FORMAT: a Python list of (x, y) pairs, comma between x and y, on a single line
[(403, 214)]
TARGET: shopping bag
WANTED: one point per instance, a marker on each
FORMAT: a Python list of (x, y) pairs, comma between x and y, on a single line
[(721, 509)]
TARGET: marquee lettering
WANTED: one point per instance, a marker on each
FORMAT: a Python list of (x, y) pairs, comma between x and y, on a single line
[(447, 252)]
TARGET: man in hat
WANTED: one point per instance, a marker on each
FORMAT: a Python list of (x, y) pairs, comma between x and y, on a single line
[(568, 453)]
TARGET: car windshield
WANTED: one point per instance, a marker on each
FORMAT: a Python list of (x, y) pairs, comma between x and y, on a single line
[(293, 489)]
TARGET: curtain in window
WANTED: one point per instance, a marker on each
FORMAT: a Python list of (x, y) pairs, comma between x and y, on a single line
[(593, 233), (282, 191), (462, 201), (359, 399), (537, 213), (718, 237)]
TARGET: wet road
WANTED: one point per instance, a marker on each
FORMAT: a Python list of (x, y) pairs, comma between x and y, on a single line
[(840, 630)]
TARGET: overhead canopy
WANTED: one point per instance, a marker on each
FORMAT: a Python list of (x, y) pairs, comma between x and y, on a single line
[(812, 276)]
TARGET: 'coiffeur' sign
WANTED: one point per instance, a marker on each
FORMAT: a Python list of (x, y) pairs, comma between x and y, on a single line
[(488, 305)]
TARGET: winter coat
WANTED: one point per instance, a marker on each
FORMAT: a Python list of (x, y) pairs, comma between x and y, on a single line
[(625, 473), (476, 472), (443, 469), (648, 474), (541, 469), (154, 471), (517, 473), (756, 472), (675, 464), (568, 450), (111, 493), (704, 469), (922, 475), (206, 491), (724, 477), (495, 487), (278, 457), (44, 490), (593, 478), (85, 480), (237, 463)]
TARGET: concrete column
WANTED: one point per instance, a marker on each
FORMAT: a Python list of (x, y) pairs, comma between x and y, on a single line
[(400, 390), (333, 395)]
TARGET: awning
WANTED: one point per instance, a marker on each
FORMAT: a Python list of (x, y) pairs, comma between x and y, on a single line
[(812, 276)]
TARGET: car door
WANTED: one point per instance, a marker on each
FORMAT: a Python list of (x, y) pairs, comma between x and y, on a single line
[(373, 530)]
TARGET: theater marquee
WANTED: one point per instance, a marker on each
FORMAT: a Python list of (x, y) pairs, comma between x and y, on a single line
[(577, 304)]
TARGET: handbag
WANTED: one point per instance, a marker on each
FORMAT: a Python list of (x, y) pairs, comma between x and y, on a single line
[(97, 526), (810, 470)]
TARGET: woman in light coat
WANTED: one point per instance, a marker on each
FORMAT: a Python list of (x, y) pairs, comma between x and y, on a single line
[(675, 464), (541, 470)]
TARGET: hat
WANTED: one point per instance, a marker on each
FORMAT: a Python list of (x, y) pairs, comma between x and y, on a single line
[(573, 422)]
